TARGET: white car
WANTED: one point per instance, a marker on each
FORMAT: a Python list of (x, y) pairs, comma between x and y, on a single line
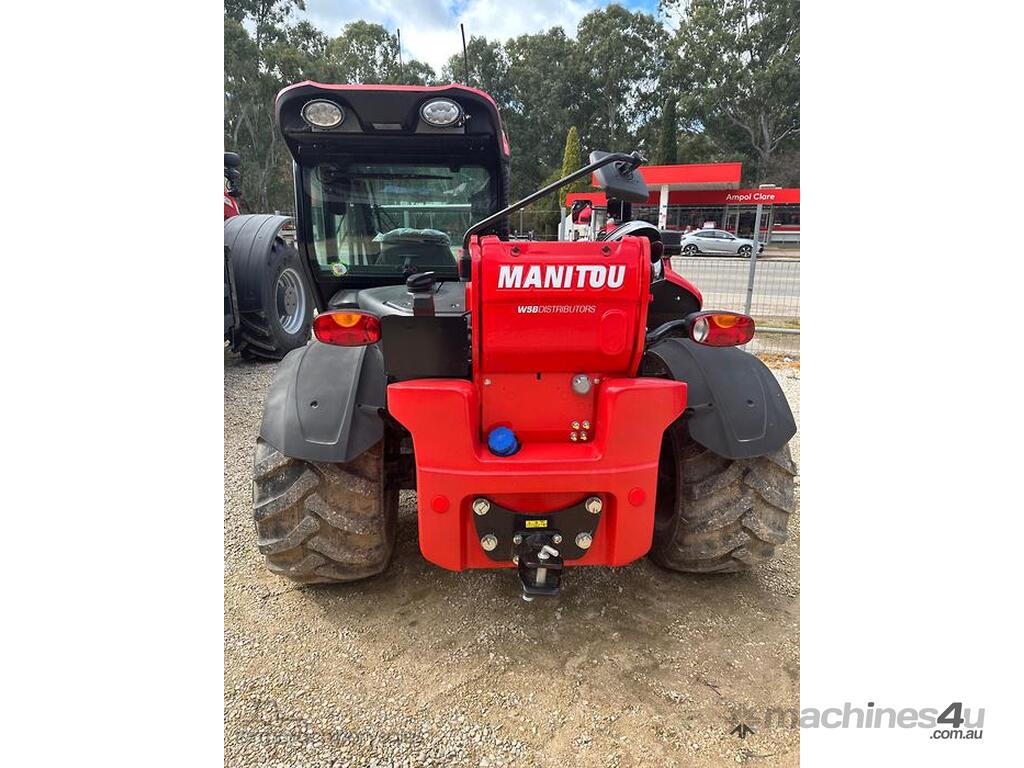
[(717, 242)]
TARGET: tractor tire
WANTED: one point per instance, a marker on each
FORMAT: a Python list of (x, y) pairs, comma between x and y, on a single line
[(718, 515), (275, 304), (323, 523)]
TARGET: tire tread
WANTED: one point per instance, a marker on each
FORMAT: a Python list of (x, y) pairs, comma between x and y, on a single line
[(322, 523), (730, 514)]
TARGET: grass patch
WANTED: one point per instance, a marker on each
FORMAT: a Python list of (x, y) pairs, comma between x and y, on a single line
[(777, 322)]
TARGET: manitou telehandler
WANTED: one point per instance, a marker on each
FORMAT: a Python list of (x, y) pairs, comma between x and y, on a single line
[(554, 404)]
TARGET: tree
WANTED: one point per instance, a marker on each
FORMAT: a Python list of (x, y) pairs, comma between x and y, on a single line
[(738, 62), (488, 68), (531, 80), (618, 58), (368, 53), (571, 162), (251, 79), (541, 90), (265, 50), (668, 146)]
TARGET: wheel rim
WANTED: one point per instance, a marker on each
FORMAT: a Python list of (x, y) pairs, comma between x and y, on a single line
[(690, 249), (291, 300), (745, 250)]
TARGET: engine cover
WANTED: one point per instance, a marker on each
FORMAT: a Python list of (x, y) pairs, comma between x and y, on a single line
[(559, 307)]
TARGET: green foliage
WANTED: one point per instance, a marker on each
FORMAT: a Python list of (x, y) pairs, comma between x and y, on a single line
[(738, 64), (618, 57), (265, 49), (571, 161), (668, 145), (723, 87)]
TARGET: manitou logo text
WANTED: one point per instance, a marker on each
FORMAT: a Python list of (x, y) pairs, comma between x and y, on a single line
[(563, 276)]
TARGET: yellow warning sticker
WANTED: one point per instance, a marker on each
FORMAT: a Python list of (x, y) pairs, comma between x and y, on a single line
[(536, 523)]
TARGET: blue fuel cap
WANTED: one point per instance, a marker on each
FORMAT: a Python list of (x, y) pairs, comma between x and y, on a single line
[(502, 441)]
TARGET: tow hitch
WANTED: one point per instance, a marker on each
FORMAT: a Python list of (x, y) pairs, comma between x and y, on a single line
[(540, 564), (539, 545)]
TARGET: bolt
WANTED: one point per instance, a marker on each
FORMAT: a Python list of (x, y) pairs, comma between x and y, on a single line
[(575, 425), (489, 542), (573, 437), (584, 540), (481, 506), (581, 384), (517, 539), (515, 559), (583, 437), (557, 538), (586, 424), (487, 382), (593, 505)]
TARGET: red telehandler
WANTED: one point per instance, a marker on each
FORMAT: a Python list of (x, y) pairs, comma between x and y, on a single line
[(554, 404)]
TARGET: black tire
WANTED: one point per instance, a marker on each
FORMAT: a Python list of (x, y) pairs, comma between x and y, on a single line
[(323, 523), (745, 251), (718, 515), (275, 304), (690, 250)]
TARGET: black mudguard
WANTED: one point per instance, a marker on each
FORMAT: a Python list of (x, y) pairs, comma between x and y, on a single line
[(324, 403), (734, 405)]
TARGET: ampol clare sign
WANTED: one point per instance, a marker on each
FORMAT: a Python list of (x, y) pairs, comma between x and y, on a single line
[(705, 197), (777, 196)]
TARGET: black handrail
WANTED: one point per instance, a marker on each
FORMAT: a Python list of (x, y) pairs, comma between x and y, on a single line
[(632, 160)]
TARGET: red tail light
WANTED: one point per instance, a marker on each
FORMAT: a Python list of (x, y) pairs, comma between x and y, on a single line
[(722, 329), (347, 328)]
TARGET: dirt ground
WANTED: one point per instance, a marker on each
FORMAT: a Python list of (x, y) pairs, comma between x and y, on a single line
[(422, 667)]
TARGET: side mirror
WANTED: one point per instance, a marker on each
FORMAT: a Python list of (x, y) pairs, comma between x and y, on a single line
[(578, 208), (232, 160), (621, 180)]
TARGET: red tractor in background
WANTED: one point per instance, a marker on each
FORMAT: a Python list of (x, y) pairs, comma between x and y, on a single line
[(554, 404), (268, 308)]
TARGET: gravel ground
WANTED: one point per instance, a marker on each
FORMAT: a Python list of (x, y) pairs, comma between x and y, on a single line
[(422, 667)]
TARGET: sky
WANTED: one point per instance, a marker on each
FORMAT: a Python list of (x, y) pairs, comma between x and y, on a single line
[(430, 28)]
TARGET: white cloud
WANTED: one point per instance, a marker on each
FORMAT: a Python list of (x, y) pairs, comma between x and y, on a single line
[(430, 28)]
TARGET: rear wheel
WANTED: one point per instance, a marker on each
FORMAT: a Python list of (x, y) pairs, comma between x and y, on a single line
[(274, 301), (283, 320), (718, 515), (690, 250), (323, 523)]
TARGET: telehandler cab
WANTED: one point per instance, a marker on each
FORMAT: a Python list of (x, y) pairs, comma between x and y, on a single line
[(554, 404)]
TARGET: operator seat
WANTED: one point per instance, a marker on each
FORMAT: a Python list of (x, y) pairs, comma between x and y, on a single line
[(414, 246)]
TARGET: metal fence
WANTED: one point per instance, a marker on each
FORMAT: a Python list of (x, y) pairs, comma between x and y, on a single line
[(774, 296)]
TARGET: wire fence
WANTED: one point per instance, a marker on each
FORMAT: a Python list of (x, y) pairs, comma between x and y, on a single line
[(774, 297)]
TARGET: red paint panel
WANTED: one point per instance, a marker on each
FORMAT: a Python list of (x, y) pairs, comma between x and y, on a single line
[(696, 173), (631, 415), (560, 307), (536, 408)]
